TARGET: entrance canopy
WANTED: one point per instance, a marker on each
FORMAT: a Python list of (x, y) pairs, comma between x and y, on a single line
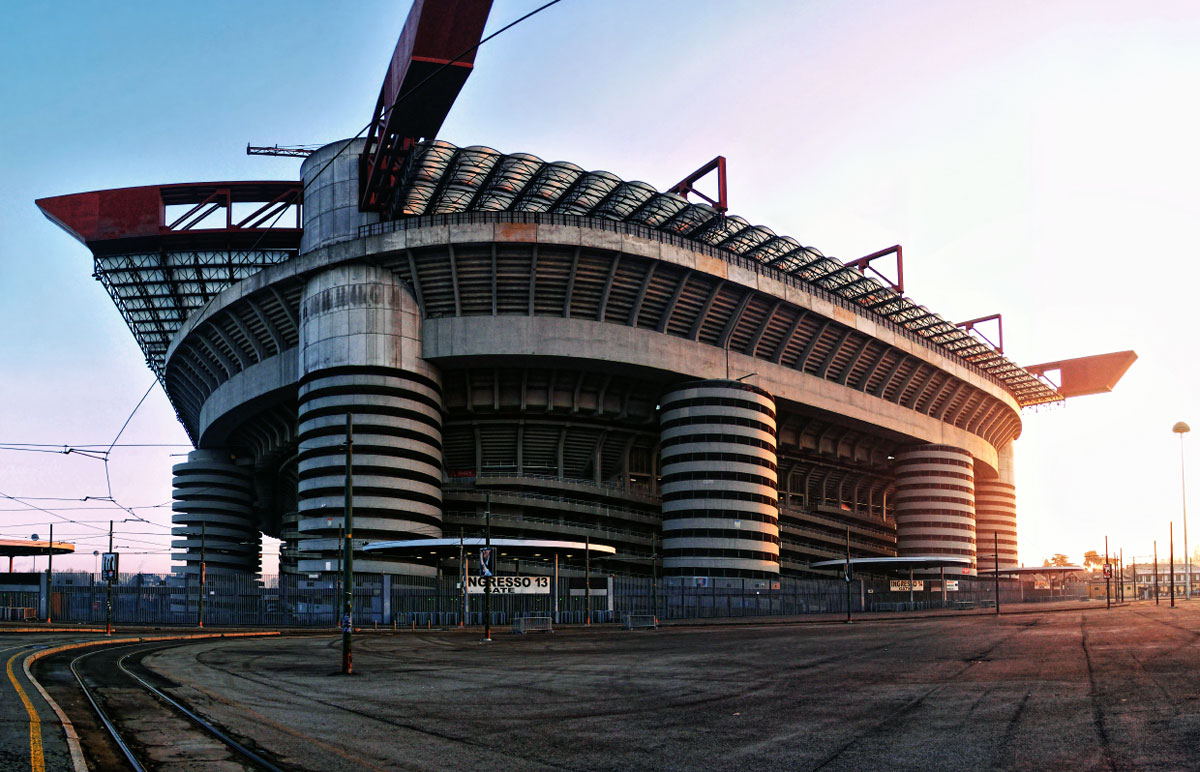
[(521, 549), (16, 548), (1024, 571), (914, 563)]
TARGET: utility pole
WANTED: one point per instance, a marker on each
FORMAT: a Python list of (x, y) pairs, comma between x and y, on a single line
[(587, 589), (556, 588), (847, 572), (1120, 573), (1156, 572), (348, 555), (654, 572), (488, 578), (203, 572), (337, 582), (462, 578), (50, 577), (1107, 577), (996, 558), (108, 600), (1171, 567)]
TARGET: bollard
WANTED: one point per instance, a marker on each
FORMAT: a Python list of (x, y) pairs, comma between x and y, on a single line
[(393, 625), (429, 623), (414, 624), (376, 624)]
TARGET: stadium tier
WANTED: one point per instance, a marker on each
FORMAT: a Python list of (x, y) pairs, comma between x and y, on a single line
[(569, 355)]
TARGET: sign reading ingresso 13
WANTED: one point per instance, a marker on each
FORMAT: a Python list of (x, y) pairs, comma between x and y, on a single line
[(511, 585)]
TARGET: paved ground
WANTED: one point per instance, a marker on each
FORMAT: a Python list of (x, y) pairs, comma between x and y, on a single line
[(31, 736), (1071, 689)]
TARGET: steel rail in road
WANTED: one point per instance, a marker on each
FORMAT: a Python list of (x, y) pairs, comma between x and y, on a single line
[(212, 730)]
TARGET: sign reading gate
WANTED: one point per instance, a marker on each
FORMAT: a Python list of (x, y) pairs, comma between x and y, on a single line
[(511, 585)]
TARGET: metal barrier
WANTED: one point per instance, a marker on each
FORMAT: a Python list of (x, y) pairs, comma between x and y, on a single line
[(524, 625), (17, 613), (641, 622), (408, 601)]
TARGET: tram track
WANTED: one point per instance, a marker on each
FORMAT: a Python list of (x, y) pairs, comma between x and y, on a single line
[(125, 721)]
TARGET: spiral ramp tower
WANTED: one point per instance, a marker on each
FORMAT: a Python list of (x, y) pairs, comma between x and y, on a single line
[(719, 481), (935, 503), (364, 379), (214, 527)]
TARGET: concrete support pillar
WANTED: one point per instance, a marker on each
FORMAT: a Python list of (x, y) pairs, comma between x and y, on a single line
[(360, 353), (212, 512), (934, 502), (719, 480)]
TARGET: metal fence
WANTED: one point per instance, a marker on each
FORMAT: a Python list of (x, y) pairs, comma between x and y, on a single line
[(401, 601)]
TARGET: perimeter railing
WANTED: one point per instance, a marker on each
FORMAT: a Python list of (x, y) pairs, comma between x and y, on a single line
[(386, 601)]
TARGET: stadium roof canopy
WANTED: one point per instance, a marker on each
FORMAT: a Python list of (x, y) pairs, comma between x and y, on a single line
[(163, 251), (439, 178)]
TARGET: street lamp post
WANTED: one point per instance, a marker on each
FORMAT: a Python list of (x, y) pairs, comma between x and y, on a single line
[(1181, 429)]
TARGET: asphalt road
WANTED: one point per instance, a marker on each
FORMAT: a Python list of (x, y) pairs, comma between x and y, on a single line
[(1077, 690), (31, 736)]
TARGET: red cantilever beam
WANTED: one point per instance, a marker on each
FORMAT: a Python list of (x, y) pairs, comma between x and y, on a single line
[(433, 57), (970, 324), (1088, 375), (688, 184), (864, 263)]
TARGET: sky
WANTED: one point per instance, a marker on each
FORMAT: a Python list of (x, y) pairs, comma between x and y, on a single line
[(1035, 159)]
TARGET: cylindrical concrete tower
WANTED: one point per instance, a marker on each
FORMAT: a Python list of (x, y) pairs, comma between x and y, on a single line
[(996, 521), (212, 512), (934, 502), (360, 342), (331, 212), (719, 480)]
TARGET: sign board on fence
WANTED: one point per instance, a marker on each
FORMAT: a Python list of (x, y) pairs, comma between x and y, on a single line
[(511, 585), (951, 585), (901, 585), (108, 566)]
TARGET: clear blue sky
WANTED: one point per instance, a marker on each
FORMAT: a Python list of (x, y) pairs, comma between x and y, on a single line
[(1035, 159)]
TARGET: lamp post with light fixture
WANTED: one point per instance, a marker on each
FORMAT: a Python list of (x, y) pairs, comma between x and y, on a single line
[(1181, 429)]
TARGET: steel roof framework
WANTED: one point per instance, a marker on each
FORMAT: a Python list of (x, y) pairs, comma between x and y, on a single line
[(440, 178), (158, 272)]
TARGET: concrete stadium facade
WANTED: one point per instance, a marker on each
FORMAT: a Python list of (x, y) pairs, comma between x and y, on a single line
[(586, 359)]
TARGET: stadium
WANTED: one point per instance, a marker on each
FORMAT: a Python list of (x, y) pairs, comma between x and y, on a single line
[(579, 367)]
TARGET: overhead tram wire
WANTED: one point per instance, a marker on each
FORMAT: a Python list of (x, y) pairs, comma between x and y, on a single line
[(121, 431), (400, 99), (80, 446), (52, 513)]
